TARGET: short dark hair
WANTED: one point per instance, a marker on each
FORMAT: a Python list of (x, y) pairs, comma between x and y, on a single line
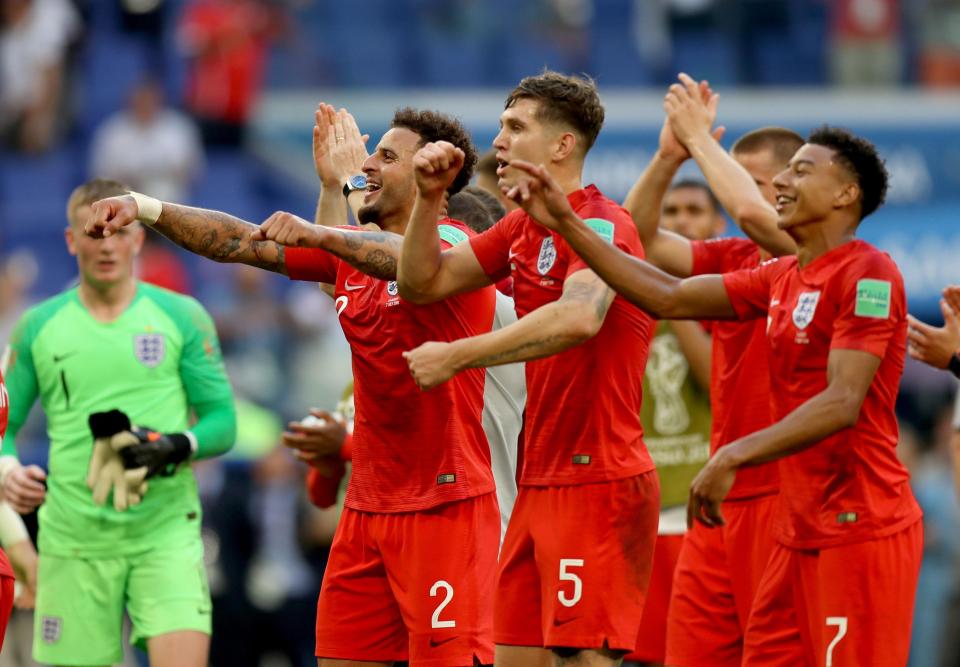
[(569, 100), (782, 142), (697, 185), (467, 207), (435, 126), (93, 191), (489, 200), (861, 159)]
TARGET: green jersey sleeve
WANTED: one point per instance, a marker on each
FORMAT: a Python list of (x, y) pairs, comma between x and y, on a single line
[(21, 379), (203, 375)]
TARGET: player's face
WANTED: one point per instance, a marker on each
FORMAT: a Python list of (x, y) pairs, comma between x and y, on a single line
[(523, 137), (763, 166), (103, 262), (690, 213), (811, 187), (391, 185)]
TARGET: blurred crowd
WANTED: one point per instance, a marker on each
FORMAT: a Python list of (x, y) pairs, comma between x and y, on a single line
[(173, 94)]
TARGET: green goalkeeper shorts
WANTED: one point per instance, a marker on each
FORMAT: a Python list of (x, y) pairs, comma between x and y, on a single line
[(80, 602)]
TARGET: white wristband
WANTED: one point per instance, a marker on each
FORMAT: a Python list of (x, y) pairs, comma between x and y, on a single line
[(148, 208)]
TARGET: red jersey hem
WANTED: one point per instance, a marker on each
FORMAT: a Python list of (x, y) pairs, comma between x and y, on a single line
[(581, 480), (401, 508), (843, 540)]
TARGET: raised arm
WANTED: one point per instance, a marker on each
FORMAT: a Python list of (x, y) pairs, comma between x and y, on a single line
[(666, 250), (212, 234), (691, 120), (426, 274), (641, 283), (849, 375), (570, 320), (339, 151)]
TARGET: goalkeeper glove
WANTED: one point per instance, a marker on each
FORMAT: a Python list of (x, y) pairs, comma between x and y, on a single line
[(159, 453)]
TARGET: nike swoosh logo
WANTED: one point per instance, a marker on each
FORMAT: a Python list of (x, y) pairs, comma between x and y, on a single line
[(558, 622), (434, 643), (511, 255), (347, 286), (57, 358)]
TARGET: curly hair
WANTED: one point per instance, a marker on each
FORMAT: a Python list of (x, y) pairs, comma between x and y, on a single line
[(435, 126), (860, 158), (568, 100)]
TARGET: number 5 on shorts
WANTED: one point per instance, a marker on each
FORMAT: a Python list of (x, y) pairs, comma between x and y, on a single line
[(841, 623), (566, 575)]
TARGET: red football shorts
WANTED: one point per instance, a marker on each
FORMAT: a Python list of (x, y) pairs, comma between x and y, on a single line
[(576, 562), (652, 639), (414, 586), (715, 583), (845, 606)]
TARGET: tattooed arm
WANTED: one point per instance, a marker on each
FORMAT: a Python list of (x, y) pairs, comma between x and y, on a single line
[(218, 236), (374, 253), (572, 319)]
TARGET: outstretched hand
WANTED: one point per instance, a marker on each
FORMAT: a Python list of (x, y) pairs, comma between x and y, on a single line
[(107, 216), (339, 149), (289, 230), (539, 194), (436, 166), (936, 345), (691, 111)]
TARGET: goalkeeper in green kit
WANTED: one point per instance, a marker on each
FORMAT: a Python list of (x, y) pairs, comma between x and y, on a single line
[(119, 515)]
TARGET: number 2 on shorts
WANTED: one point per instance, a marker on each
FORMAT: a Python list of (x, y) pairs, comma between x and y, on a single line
[(566, 575), (841, 623), (435, 621)]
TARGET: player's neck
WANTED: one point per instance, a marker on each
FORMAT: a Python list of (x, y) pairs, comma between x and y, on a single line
[(105, 303), (569, 180), (815, 240)]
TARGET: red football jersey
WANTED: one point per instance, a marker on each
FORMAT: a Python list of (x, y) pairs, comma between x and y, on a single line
[(412, 449), (5, 569), (582, 420), (850, 486), (739, 370)]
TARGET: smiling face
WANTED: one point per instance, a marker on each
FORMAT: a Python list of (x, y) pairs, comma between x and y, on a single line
[(523, 136), (391, 184), (812, 187), (106, 262)]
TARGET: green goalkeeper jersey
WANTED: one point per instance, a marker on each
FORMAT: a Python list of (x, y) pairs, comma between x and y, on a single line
[(157, 361)]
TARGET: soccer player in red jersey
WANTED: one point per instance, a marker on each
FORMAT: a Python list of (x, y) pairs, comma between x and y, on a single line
[(577, 554), (836, 331), (11, 526), (412, 566), (718, 571)]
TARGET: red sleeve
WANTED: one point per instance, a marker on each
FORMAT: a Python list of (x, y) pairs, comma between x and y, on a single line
[(606, 219), (872, 306), (346, 449), (723, 255), (311, 264), (492, 248), (323, 488), (749, 289)]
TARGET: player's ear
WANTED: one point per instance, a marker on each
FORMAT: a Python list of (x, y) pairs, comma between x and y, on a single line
[(848, 195), (566, 144), (68, 236)]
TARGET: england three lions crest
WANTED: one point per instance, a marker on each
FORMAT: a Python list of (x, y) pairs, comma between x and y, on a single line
[(150, 349), (548, 255), (806, 307)]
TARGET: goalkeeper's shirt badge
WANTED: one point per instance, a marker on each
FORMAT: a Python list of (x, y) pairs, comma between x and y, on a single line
[(50, 627), (150, 349)]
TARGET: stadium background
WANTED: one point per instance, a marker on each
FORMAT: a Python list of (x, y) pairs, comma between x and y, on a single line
[(888, 69)]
